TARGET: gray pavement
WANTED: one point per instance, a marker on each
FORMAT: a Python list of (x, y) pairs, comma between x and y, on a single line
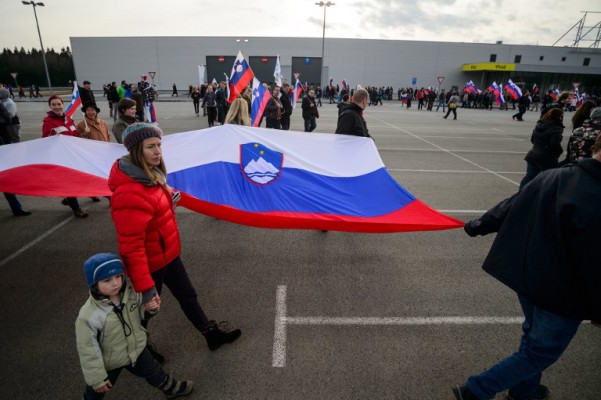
[(382, 283)]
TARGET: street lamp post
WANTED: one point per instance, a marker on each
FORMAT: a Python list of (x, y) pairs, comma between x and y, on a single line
[(323, 38), (34, 4)]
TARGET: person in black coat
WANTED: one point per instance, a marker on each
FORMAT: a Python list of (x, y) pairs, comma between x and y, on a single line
[(86, 93), (273, 110), (310, 112), (286, 107), (545, 251), (523, 105), (350, 120), (546, 139)]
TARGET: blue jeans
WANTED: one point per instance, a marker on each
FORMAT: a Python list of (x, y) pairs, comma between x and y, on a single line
[(546, 336), (310, 124), (531, 171)]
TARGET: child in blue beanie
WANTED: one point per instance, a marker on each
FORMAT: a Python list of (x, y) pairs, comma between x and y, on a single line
[(110, 336)]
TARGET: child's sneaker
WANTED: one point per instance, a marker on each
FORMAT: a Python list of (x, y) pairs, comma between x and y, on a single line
[(174, 388)]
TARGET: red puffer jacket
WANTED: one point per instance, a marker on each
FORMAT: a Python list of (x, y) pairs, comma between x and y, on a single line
[(146, 226), (58, 124)]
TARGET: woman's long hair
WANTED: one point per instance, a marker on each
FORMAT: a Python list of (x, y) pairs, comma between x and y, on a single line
[(583, 113), (238, 113), (555, 115), (156, 174)]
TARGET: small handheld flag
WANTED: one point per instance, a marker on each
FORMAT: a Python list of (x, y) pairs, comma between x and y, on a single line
[(240, 77), (75, 101), (260, 98), (277, 73)]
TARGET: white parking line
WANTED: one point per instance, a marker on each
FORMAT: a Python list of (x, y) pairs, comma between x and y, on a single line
[(282, 320), (35, 241), (446, 171), (453, 152)]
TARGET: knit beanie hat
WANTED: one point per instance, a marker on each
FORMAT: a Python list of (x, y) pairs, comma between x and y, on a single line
[(596, 113), (102, 266), (136, 133), (4, 94)]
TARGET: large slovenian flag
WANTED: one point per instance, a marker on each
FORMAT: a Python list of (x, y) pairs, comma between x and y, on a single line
[(240, 77), (470, 88), (513, 90), (259, 101), (250, 176), (75, 101), (296, 92)]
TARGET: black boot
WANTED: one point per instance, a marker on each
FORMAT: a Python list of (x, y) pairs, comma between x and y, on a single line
[(216, 337), (152, 348), (174, 388)]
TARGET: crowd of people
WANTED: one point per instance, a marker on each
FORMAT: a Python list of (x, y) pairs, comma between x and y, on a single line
[(549, 218)]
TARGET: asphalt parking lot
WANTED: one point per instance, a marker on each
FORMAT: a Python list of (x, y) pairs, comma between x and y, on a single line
[(324, 315)]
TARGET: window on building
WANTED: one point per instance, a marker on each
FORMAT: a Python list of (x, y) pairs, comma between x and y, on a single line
[(563, 59), (517, 59), (586, 62), (541, 58), (493, 58)]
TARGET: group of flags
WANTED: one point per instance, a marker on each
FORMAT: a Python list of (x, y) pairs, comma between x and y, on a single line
[(242, 75), (514, 90)]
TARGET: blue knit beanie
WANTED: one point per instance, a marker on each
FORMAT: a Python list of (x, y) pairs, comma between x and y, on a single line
[(136, 133), (102, 266)]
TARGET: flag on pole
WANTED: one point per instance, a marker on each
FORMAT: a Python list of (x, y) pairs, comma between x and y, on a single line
[(227, 86), (149, 112), (513, 90), (296, 92), (75, 101), (251, 176), (535, 89), (260, 98), (555, 94), (498, 92), (277, 72), (240, 77), (470, 88), (344, 85), (201, 74)]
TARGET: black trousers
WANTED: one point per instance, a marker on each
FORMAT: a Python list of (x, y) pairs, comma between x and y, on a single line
[(285, 122), (146, 367), (454, 112), (272, 123), (175, 277), (522, 110), (212, 114), (196, 107)]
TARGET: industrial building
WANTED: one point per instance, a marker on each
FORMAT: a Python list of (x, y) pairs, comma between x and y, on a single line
[(368, 62)]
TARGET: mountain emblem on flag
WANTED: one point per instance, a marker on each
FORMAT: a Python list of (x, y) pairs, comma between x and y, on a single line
[(260, 164)]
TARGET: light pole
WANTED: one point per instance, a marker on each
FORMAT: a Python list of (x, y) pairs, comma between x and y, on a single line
[(323, 38), (34, 4)]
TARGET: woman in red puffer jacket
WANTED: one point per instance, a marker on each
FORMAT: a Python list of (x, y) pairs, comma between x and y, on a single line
[(143, 210)]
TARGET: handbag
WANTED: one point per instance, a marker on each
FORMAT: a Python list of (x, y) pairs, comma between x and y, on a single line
[(452, 106)]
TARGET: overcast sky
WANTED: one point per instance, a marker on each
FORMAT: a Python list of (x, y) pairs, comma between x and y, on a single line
[(483, 21)]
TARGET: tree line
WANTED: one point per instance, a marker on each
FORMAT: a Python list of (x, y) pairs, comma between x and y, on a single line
[(29, 67)]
